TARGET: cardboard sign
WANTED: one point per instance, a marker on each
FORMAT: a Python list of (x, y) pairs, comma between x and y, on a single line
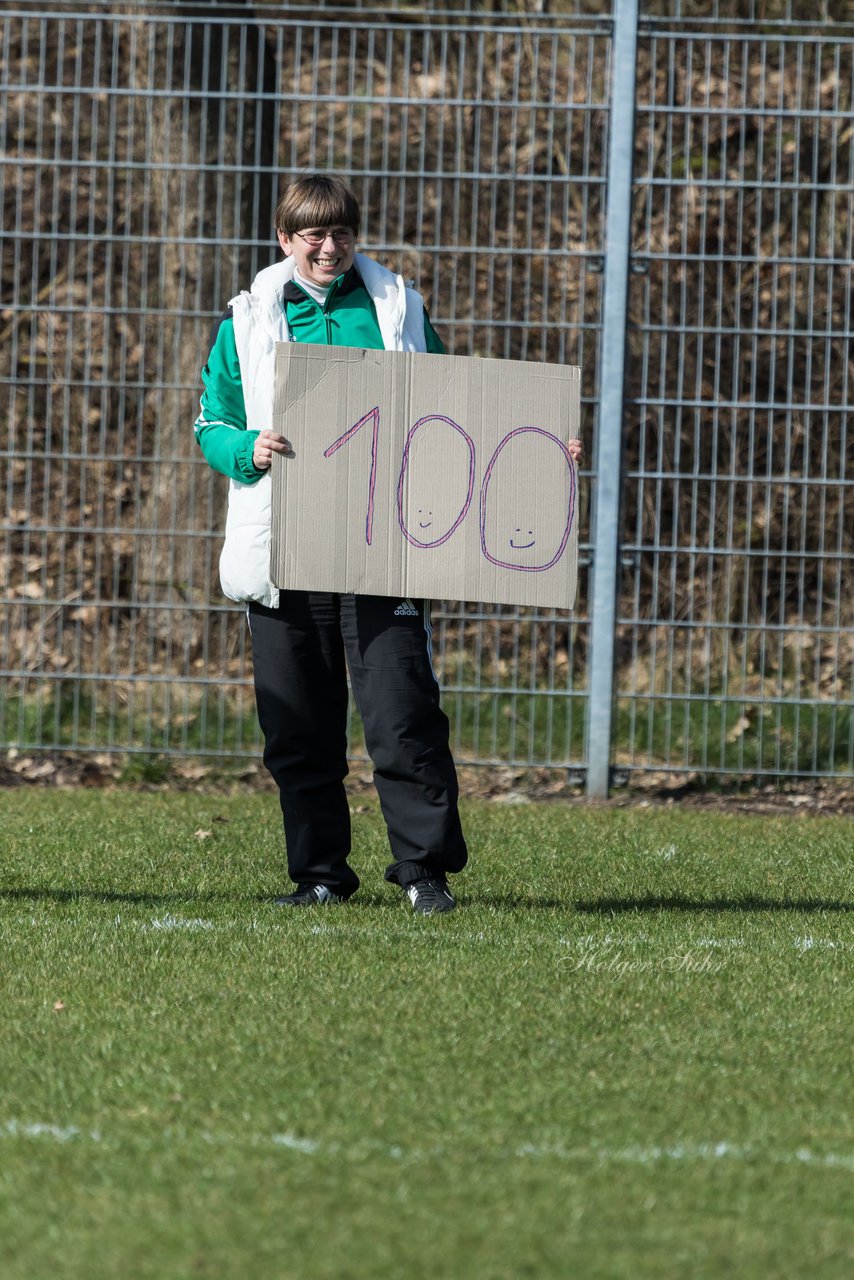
[(446, 477)]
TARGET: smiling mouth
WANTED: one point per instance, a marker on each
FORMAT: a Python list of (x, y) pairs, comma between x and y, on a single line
[(521, 546)]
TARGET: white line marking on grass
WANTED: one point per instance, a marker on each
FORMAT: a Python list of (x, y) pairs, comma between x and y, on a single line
[(825, 944), (306, 1145), (583, 942), (178, 922), (172, 923), (14, 1129), (701, 1151), (831, 1161), (679, 1152), (675, 1153), (605, 940)]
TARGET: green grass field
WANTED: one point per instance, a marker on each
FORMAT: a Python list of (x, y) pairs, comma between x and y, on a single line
[(628, 1054)]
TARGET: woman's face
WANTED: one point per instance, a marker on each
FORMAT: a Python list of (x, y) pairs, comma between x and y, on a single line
[(322, 253)]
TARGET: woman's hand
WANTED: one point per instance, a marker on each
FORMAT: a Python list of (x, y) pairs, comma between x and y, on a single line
[(268, 443), (576, 451)]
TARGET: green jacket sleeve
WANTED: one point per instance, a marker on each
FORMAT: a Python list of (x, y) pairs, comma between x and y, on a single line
[(221, 425)]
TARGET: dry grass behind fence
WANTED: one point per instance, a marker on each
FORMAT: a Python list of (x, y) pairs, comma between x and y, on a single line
[(139, 204)]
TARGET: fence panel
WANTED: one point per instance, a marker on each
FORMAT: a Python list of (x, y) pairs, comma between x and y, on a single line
[(736, 625)]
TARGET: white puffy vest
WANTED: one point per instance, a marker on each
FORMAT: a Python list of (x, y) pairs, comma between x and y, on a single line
[(260, 322)]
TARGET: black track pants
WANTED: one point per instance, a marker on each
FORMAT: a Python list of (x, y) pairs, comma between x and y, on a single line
[(299, 654)]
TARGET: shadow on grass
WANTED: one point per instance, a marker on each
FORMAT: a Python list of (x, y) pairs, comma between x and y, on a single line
[(371, 900), (107, 895), (66, 896), (514, 902), (615, 906), (495, 902)]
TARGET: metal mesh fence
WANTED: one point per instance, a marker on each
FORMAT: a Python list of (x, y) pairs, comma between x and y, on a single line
[(738, 523), (143, 152)]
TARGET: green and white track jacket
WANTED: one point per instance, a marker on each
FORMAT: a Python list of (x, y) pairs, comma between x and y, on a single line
[(369, 307)]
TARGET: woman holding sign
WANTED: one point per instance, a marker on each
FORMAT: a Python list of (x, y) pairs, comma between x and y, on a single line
[(323, 291)]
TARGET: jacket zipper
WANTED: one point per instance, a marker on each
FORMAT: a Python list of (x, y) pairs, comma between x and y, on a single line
[(323, 311), (329, 298)]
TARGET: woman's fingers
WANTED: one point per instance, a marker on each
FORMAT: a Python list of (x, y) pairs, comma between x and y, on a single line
[(266, 444)]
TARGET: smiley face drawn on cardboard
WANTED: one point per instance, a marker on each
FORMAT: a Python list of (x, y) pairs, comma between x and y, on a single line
[(433, 501), (525, 525)]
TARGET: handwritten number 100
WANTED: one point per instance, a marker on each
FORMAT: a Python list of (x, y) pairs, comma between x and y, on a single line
[(372, 417)]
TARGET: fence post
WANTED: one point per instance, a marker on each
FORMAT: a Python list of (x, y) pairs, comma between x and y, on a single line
[(609, 428)]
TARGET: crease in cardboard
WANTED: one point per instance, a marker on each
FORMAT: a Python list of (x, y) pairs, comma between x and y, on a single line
[(328, 355), (449, 381), (324, 361)]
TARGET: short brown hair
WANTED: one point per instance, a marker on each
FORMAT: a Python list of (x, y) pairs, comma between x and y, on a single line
[(317, 200)]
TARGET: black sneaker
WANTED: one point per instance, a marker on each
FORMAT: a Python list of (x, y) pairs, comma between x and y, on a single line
[(430, 895), (309, 895)]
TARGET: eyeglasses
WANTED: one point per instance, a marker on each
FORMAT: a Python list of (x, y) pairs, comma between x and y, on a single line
[(316, 236)]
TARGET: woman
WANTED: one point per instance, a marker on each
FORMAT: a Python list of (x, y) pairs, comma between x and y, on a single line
[(303, 642)]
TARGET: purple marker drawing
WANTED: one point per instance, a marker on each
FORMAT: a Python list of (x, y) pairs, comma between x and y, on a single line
[(522, 542), (401, 485), (371, 415)]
